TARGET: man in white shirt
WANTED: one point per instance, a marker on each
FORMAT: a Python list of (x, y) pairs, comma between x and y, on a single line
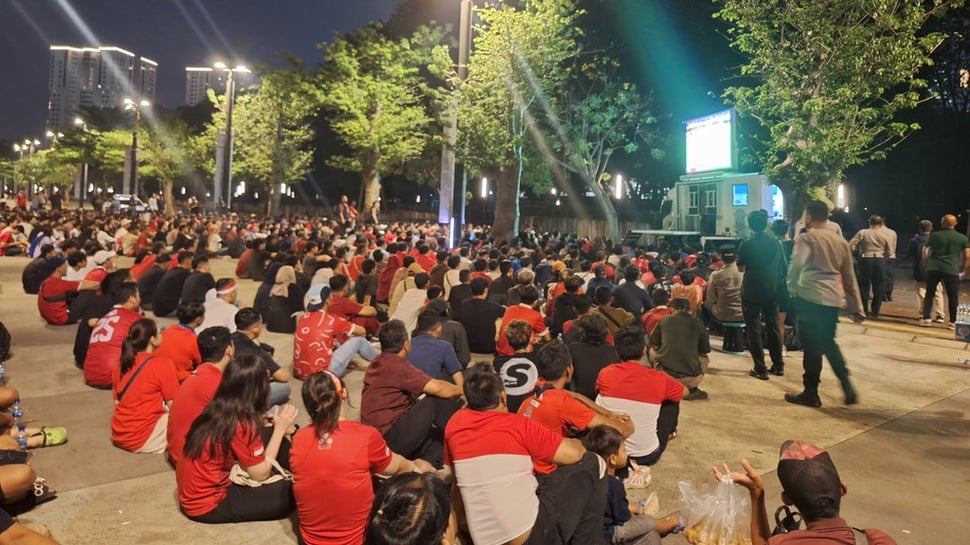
[(412, 303), (220, 306)]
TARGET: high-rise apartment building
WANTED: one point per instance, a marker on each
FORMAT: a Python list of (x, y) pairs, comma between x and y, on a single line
[(100, 77), (199, 79)]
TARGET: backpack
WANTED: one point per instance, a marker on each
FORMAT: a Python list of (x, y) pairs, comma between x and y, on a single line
[(4, 342)]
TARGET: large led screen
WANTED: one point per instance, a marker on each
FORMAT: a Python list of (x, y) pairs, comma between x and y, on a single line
[(710, 142)]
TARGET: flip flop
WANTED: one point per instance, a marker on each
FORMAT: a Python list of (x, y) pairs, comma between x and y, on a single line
[(53, 435), (42, 491)]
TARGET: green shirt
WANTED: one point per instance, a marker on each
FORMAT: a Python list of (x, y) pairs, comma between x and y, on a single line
[(946, 251)]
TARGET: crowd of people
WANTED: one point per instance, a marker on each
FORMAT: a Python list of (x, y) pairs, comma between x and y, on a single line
[(583, 353)]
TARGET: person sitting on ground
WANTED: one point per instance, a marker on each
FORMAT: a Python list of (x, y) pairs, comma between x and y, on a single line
[(44, 436), (285, 300), (600, 279), (429, 353), (37, 270), (811, 482), (630, 296), (149, 280), (108, 335), (324, 340), (228, 432), (103, 264), (261, 299), (365, 288), (349, 309), (180, 343), (519, 371), (724, 292), (199, 282), (403, 281), (615, 317), (523, 279), (451, 279), (561, 411), (452, 332), (15, 533), (526, 310), (626, 523), (461, 292), (77, 264), (145, 384), (591, 354), (389, 401), (338, 458), (412, 509), (688, 289), (99, 305), (412, 302), (215, 346), (56, 295), (249, 326), (563, 306), (492, 453), (683, 347), (479, 317), (650, 397), (220, 305), (653, 316), (169, 290)]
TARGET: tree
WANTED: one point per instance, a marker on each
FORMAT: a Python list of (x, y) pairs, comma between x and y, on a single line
[(826, 80), (949, 74), (513, 72), (164, 155), (378, 98), (598, 114)]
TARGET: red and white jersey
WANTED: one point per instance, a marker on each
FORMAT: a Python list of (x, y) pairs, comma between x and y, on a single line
[(492, 454), (632, 388)]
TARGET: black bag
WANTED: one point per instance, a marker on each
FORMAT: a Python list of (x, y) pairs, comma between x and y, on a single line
[(4, 342)]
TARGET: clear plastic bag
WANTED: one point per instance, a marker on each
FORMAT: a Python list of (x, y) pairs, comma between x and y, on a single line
[(718, 517)]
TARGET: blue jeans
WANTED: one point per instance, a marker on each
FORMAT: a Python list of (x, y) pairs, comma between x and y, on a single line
[(278, 391), (345, 352)]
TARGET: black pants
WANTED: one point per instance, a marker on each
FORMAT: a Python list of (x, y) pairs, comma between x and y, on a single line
[(419, 433), (951, 283), (754, 313), (247, 503), (816, 329), (890, 278), (666, 424), (872, 274), (571, 501)]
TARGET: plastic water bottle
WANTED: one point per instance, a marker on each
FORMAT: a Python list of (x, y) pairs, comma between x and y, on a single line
[(22, 436), (17, 411), (3, 374)]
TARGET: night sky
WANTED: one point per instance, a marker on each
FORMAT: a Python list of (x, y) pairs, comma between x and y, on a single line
[(174, 33)]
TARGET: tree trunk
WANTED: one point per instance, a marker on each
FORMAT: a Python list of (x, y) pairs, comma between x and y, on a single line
[(505, 225), (273, 204), (168, 194), (371, 184)]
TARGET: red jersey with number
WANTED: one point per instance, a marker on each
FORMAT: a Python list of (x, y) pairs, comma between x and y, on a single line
[(138, 411), (203, 482), (104, 349), (340, 466)]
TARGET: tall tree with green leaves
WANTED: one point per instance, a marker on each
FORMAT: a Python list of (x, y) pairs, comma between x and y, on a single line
[(165, 156), (514, 70), (826, 79), (377, 93)]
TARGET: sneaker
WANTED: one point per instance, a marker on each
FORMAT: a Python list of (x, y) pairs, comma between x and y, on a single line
[(804, 399), (696, 395), (938, 320), (639, 476), (924, 322), (777, 371), (760, 375), (951, 325)]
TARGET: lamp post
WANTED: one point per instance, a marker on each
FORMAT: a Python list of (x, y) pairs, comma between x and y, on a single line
[(81, 190), (29, 145), (447, 187), (131, 158), (224, 153)]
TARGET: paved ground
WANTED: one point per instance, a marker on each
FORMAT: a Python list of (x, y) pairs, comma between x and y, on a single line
[(904, 450)]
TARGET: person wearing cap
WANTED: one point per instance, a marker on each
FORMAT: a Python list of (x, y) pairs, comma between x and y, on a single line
[(724, 291), (56, 294), (811, 483), (324, 340), (220, 306), (103, 264)]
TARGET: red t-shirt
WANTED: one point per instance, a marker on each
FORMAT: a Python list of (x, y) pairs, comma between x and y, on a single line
[(104, 349), (340, 467), (519, 312), (243, 264), (181, 345), (5, 237), (632, 388), (652, 318), (391, 385), (204, 481), (344, 307), (427, 261), (97, 274), (138, 270), (196, 392), (138, 411), (558, 412), (316, 335), (55, 312)]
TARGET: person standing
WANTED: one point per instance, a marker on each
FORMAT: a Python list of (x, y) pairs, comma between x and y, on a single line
[(820, 274), (874, 248), (947, 258), (762, 261), (915, 251), (890, 261)]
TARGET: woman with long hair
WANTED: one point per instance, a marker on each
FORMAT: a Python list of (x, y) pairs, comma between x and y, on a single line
[(412, 509), (285, 299), (337, 458), (232, 430), (144, 386)]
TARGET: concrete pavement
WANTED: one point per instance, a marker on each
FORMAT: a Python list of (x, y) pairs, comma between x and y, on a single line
[(904, 450)]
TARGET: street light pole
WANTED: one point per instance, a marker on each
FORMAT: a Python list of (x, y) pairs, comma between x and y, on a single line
[(447, 187), (131, 172), (82, 191), (223, 179)]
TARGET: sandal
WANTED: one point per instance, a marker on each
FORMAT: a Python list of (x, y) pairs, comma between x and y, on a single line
[(42, 491), (53, 435), (639, 476)]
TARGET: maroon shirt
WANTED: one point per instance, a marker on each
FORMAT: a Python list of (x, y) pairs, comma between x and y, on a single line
[(391, 385), (829, 532)]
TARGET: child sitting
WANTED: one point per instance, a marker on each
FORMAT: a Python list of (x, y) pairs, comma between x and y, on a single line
[(625, 523)]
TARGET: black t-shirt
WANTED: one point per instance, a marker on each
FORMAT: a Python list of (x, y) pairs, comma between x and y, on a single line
[(243, 347), (498, 290), (196, 286), (148, 283), (458, 295), (169, 290), (34, 275), (519, 375), (588, 361), (631, 297), (764, 269), (366, 285), (478, 316)]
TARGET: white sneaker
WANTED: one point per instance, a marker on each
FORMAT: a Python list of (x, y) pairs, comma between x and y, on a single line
[(938, 319), (923, 322), (639, 476)]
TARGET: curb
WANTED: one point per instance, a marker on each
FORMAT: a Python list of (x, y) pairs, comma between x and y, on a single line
[(905, 334)]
